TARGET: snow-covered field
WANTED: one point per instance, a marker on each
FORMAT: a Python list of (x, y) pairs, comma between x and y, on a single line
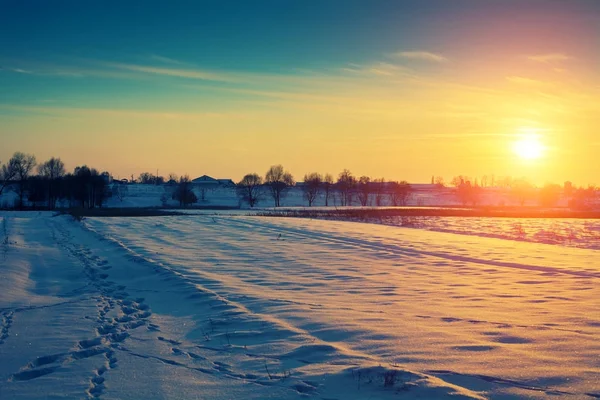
[(582, 233), (239, 307)]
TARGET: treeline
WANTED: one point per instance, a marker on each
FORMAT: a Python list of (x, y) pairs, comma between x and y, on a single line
[(347, 188), (277, 182), (49, 183)]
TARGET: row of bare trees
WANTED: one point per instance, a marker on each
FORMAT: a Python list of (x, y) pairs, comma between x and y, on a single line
[(85, 187), (278, 181)]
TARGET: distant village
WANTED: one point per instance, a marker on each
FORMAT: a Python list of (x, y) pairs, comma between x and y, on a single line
[(25, 184)]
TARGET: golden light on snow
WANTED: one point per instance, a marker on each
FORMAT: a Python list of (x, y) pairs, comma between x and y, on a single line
[(528, 146)]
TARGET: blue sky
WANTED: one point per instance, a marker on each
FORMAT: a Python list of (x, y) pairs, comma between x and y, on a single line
[(308, 66)]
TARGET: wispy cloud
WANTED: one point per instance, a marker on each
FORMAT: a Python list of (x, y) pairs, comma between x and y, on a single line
[(421, 55), (550, 58), (17, 70), (182, 73), (22, 71), (165, 60), (378, 68), (75, 111)]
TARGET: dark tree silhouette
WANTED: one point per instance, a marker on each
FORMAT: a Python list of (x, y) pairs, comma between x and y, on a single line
[(249, 189), (172, 179), (399, 193), (440, 182), (278, 181), (364, 190), (52, 171), (148, 178), (379, 187), (184, 193), (345, 185), (312, 186), (459, 180), (327, 188), (23, 165), (88, 187), (8, 172), (37, 190)]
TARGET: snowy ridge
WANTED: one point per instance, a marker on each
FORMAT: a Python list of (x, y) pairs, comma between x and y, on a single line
[(263, 331)]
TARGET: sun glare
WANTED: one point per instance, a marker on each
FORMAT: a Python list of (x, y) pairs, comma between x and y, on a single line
[(528, 147)]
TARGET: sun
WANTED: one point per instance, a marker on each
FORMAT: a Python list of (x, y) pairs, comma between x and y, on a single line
[(529, 147)]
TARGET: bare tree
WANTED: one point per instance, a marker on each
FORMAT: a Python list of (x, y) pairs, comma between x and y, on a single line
[(147, 178), (463, 190), (345, 185), (364, 190), (468, 192), (249, 189), (120, 190), (312, 186), (327, 187), (460, 180), (379, 187), (87, 187), (173, 178), (23, 164), (399, 193), (52, 171), (440, 182), (278, 181), (7, 174), (184, 193)]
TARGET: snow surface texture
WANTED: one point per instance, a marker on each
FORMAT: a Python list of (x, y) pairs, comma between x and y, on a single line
[(583, 233), (225, 307)]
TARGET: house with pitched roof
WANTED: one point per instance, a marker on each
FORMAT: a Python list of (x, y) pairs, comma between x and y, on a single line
[(206, 181)]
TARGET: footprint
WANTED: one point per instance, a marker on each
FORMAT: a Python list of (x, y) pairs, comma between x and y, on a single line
[(45, 360), (512, 340), (86, 344), (178, 352), (474, 348), (33, 374), (96, 386), (87, 353), (450, 319), (173, 342)]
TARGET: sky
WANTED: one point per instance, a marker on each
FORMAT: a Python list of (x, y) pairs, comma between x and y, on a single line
[(394, 89)]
